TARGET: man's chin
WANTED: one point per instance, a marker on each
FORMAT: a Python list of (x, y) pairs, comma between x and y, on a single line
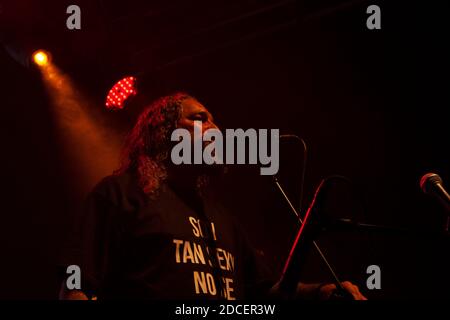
[(212, 169)]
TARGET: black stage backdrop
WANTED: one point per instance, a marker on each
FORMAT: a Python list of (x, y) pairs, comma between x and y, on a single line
[(370, 104)]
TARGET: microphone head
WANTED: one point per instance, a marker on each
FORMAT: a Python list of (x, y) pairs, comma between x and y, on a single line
[(428, 181)]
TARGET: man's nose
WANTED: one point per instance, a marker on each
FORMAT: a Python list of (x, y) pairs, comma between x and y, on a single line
[(209, 125)]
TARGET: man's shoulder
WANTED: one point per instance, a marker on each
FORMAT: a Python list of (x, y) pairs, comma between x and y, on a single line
[(117, 187), (113, 181)]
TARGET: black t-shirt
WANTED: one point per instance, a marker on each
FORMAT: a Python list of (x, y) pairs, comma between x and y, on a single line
[(132, 246)]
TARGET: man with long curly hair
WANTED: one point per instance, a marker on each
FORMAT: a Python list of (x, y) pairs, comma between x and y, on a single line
[(155, 230)]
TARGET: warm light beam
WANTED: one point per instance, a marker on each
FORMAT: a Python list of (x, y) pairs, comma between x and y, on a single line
[(90, 149)]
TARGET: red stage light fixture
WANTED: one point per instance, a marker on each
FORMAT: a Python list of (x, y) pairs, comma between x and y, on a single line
[(120, 92)]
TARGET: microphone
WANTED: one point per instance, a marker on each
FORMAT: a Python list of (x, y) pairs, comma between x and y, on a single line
[(431, 183)]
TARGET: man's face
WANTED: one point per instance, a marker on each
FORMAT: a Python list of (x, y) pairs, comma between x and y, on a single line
[(195, 114), (192, 110)]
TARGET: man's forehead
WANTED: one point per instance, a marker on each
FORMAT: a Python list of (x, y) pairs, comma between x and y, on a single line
[(193, 106)]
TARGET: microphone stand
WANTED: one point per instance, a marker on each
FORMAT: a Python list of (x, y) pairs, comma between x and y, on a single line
[(340, 292), (309, 229), (350, 225)]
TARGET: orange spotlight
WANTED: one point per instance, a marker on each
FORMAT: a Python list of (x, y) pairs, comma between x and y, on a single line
[(41, 58)]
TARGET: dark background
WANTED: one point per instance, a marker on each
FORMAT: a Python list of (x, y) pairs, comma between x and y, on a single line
[(370, 104)]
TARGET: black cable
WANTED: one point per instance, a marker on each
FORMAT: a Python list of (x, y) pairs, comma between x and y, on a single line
[(303, 170)]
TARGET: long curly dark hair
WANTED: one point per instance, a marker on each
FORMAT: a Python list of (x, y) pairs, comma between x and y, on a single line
[(148, 145)]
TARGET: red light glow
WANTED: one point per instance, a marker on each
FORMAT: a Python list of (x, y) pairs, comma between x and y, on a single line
[(120, 92)]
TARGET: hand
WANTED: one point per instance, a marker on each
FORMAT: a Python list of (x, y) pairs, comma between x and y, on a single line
[(326, 291)]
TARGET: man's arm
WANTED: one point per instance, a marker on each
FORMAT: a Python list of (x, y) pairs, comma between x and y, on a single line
[(66, 294), (318, 291), (90, 246), (325, 291)]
